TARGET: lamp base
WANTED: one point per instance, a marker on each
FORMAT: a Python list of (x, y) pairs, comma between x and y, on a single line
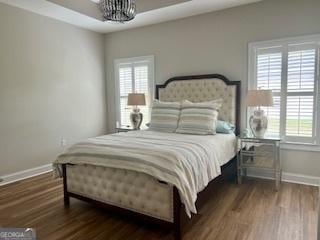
[(258, 123), (136, 118)]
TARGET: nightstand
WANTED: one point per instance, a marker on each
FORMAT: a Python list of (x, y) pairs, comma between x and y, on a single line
[(125, 129), (259, 153)]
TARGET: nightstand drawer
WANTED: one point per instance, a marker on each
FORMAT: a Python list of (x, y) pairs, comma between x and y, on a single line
[(125, 129), (257, 161), (259, 150), (258, 155)]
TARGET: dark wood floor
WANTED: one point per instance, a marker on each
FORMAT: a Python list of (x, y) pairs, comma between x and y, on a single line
[(252, 211)]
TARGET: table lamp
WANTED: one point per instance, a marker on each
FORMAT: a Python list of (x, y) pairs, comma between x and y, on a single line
[(258, 121), (135, 100)]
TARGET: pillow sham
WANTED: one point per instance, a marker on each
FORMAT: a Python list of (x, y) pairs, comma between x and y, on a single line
[(164, 116), (213, 104), (199, 118), (224, 127)]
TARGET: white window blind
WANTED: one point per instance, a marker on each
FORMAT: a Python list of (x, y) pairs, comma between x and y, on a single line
[(269, 73), (141, 74), (133, 75), (301, 84), (290, 68), (126, 87)]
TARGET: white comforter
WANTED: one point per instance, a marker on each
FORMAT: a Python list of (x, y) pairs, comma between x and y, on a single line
[(188, 162)]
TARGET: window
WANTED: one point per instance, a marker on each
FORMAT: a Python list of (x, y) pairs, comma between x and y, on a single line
[(290, 68), (133, 75), (269, 77)]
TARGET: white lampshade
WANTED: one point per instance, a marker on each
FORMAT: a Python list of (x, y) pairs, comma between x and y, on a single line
[(136, 99), (257, 98)]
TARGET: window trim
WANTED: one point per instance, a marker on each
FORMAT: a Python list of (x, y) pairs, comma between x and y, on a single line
[(131, 60), (251, 84)]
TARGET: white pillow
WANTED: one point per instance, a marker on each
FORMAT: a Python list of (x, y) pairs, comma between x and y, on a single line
[(165, 116), (213, 104), (199, 118)]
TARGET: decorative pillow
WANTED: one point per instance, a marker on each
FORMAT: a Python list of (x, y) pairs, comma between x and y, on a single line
[(199, 118), (165, 116), (224, 127)]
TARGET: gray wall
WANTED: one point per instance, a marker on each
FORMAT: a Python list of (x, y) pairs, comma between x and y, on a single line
[(52, 86), (217, 43)]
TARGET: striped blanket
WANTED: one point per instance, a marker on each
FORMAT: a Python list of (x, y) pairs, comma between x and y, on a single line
[(185, 161)]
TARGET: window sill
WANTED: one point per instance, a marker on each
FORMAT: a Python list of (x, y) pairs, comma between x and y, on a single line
[(300, 147)]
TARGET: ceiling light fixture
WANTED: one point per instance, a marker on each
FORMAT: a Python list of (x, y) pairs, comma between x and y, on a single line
[(118, 10)]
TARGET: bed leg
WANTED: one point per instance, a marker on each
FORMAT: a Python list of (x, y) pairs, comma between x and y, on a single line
[(177, 234), (177, 214), (66, 197)]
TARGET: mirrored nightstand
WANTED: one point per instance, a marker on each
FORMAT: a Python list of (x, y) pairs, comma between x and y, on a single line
[(259, 153)]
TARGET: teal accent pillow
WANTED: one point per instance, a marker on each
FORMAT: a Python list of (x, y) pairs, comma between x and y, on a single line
[(224, 127)]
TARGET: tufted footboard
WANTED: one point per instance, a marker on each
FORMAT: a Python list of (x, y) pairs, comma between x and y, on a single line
[(129, 190), (123, 191)]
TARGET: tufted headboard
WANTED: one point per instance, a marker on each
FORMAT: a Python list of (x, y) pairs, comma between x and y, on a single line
[(201, 88)]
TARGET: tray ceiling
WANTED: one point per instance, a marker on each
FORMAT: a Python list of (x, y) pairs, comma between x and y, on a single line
[(85, 13)]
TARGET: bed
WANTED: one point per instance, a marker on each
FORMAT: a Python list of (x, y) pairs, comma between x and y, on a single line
[(134, 190)]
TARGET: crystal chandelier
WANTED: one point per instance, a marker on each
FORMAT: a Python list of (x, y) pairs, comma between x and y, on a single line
[(118, 10)]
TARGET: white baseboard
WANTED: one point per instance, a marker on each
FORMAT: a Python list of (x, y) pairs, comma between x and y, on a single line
[(17, 176), (286, 177)]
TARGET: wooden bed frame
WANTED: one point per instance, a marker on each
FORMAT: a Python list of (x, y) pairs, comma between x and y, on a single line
[(228, 172)]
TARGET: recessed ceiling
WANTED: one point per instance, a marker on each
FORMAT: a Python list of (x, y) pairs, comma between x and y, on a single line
[(91, 7), (86, 14), (147, 5)]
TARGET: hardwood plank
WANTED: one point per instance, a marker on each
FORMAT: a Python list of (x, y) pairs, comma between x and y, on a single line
[(249, 211)]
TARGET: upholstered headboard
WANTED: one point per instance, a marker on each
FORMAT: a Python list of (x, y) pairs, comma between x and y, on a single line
[(201, 88)]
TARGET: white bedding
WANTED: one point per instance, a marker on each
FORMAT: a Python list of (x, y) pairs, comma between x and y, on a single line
[(224, 144), (188, 162)]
